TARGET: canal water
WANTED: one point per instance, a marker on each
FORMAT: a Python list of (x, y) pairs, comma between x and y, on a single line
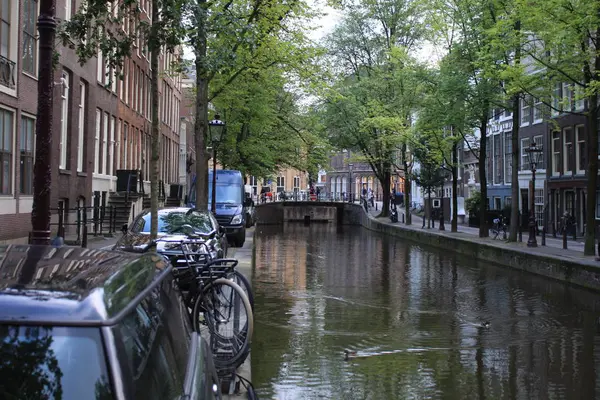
[(414, 316)]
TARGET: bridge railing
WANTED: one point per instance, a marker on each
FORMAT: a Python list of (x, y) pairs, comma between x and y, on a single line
[(304, 196)]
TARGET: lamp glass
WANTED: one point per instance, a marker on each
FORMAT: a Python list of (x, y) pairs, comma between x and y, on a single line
[(216, 128)]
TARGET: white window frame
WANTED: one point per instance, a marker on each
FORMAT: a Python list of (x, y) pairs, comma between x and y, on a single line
[(81, 126), (539, 142), (566, 168), (68, 10), (111, 146), (105, 122), (13, 45), (538, 111), (538, 204), (126, 78), (100, 65), (579, 98), (556, 106), (97, 141), (556, 154), (118, 145), (524, 159), (36, 51), (579, 139), (525, 108), (567, 97), (64, 120), (34, 119), (125, 145)]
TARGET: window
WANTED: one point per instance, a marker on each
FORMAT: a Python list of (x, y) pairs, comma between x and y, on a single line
[(490, 161), (524, 158), (539, 206), (100, 65), (118, 147), (280, 184), (556, 157), (567, 151), (580, 150), (556, 100), (538, 115), (567, 97), (104, 158), (156, 343), (498, 165), (68, 9), (125, 146), (579, 98), (6, 134), (525, 110), (126, 79), (111, 146), (97, 142), (538, 140), (5, 32), (26, 147), (296, 183), (64, 121), (497, 203), (81, 127), (30, 36), (507, 157)]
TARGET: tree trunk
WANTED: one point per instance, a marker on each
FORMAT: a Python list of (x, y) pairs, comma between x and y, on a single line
[(385, 187), (514, 173), (201, 124), (592, 178), (441, 221), (429, 208), (155, 127), (454, 223), (483, 229), (407, 187)]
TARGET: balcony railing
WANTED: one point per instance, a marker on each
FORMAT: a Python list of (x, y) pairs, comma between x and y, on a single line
[(7, 72)]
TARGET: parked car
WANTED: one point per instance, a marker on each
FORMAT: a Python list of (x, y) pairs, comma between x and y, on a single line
[(174, 225), (86, 324)]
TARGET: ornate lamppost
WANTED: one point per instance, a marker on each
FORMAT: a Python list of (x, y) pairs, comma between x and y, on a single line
[(216, 129), (535, 154)]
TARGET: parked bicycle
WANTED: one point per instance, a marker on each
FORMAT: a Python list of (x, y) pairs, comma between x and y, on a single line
[(219, 308), (498, 226)]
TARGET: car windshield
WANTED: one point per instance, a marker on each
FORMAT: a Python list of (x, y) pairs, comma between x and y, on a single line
[(52, 363), (226, 194), (172, 221)]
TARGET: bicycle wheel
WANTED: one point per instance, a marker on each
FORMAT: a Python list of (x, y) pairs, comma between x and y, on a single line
[(224, 312), (241, 280)]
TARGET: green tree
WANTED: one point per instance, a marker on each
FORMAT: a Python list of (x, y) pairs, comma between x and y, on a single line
[(568, 51), (238, 43), (96, 27), (369, 108)]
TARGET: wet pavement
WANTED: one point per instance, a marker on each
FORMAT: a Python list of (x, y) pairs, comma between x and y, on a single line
[(414, 316)]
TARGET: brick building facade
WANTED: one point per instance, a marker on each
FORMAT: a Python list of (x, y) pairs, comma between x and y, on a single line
[(100, 123)]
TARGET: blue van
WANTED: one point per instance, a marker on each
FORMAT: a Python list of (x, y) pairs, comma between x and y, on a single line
[(231, 203)]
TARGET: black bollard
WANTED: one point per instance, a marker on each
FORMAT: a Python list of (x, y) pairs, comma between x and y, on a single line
[(543, 236), (564, 238)]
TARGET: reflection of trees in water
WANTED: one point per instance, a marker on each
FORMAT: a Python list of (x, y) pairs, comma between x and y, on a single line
[(28, 366)]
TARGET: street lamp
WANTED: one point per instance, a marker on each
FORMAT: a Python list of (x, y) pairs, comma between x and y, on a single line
[(534, 154), (350, 166), (216, 129)]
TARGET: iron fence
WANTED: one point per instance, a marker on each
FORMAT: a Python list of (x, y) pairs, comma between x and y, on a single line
[(88, 220)]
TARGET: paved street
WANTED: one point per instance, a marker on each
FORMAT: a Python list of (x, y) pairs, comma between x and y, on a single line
[(550, 241)]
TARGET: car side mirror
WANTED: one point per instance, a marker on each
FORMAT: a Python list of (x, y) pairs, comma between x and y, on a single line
[(124, 229)]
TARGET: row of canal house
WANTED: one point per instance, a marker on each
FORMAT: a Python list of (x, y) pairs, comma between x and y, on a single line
[(101, 123), (561, 175)]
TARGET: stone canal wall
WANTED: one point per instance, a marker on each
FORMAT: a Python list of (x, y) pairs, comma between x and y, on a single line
[(564, 265)]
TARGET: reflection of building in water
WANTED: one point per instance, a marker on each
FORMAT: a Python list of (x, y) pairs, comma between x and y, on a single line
[(63, 262), (284, 264)]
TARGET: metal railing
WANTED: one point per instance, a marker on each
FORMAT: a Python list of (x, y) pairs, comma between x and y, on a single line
[(101, 223)]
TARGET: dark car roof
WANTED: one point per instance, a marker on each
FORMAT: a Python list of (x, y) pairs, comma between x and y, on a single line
[(73, 285)]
